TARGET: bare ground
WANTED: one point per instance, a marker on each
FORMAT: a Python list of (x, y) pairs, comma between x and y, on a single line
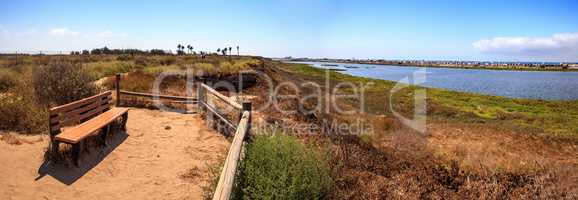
[(163, 155)]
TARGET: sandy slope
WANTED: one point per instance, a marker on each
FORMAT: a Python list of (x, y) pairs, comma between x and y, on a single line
[(150, 161)]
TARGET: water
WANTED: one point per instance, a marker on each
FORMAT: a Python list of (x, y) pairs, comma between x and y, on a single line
[(515, 84)]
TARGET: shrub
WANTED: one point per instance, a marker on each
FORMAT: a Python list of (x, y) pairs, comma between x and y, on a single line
[(205, 68), (61, 83), (137, 82), (144, 61), (105, 69), (124, 57), (8, 79), (248, 63), (168, 60), (160, 69), (19, 110), (280, 167), (109, 68)]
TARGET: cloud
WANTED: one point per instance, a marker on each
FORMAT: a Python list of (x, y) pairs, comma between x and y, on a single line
[(559, 45), (110, 34), (62, 32)]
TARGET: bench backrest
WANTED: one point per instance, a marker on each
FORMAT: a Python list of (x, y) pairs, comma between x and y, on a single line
[(79, 111)]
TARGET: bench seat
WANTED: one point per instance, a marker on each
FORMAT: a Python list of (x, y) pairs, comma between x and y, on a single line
[(78, 133)]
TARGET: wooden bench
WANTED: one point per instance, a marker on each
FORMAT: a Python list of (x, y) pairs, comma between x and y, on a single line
[(83, 118)]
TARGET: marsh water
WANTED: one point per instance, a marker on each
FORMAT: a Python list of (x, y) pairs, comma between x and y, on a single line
[(515, 84)]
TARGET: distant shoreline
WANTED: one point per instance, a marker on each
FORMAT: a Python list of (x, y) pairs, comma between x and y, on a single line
[(507, 68)]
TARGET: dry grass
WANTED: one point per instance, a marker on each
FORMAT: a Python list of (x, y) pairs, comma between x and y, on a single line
[(10, 139), (214, 175), (408, 169)]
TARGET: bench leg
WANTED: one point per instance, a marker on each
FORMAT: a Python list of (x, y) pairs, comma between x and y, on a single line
[(104, 135), (54, 149), (76, 153), (124, 120)]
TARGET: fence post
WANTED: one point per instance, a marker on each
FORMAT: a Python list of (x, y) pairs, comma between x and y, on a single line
[(117, 88), (200, 97), (247, 106)]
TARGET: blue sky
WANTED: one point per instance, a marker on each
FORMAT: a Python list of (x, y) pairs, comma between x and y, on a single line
[(454, 30)]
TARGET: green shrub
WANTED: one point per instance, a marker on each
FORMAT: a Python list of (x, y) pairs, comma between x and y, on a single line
[(281, 167), (61, 83)]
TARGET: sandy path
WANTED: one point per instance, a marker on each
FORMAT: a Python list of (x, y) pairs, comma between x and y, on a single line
[(148, 163)]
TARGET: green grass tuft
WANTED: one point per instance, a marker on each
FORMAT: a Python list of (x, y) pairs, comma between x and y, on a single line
[(281, 167)]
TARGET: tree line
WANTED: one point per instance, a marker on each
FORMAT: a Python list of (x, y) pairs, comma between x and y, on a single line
[(181, 50), (107, 51)]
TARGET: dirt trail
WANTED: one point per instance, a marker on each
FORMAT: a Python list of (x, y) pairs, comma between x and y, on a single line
[(162, 155)]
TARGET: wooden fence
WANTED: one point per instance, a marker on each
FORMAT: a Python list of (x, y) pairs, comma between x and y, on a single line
[(174, 99), (241, 131), (209, 102)]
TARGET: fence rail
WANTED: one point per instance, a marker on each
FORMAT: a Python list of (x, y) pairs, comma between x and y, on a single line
[(173, 99), (169, 97), (227, 177), (208, 89), (216, 113)]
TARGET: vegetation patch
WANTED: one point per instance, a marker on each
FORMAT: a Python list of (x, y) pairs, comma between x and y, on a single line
[(61, 83), (281, 167), (103, 68), (27, 91)]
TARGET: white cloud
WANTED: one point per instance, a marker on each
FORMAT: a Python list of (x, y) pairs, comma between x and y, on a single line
[(109, 34), (62, 32), (563, 45)]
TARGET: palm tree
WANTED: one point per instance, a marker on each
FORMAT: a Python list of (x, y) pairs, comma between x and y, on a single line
[(237, 50), (218, 50), (230, 50), (180, 49)]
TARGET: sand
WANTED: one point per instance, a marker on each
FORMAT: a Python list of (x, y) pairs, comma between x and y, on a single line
[(162, 155)]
